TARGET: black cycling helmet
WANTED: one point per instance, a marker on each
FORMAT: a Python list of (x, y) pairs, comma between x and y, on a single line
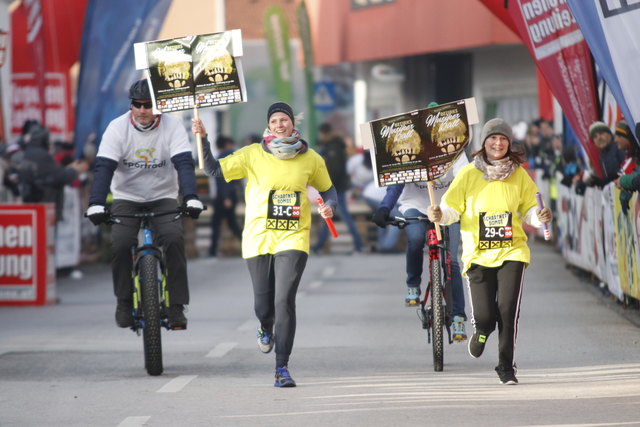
[(140, 90)]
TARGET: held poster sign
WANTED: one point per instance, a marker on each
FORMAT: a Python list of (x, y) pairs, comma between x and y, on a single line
[(420, 145), (194, 71)]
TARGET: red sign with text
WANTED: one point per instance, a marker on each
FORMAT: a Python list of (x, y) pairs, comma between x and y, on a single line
[(555, 42), (27, 259)]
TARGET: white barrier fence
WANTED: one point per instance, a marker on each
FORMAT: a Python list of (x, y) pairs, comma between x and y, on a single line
[(597, 236)]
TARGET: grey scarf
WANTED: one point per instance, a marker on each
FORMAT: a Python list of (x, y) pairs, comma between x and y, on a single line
[(496, 170)]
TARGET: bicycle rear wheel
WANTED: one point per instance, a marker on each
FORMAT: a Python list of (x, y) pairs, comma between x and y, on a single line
[(437, 312), (151, 337)]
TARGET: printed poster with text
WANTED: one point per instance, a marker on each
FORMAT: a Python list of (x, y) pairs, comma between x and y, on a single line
[(202, 71), (420, 145)]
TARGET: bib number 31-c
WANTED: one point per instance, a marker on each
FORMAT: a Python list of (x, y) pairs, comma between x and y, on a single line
[(284, 210), (495, 231)]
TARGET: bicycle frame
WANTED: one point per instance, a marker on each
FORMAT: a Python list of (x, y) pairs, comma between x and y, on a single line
[(435, 311), (150, 294), (148, 247), (439, 251)]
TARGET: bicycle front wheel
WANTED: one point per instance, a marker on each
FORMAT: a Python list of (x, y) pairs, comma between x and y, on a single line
[(151, 337), (437, 312)]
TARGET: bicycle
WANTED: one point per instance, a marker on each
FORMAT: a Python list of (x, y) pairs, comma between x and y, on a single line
[(150, 294), (434, 312)]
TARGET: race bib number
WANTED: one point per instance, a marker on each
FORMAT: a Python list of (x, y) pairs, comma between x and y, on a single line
[(495, 231), (284, 210)]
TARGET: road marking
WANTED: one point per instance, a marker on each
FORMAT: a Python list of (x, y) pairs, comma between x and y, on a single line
[(248, 325), (300, 294), (329, 271), (177, 384), (222, 349), (134, 421), (315, 284)]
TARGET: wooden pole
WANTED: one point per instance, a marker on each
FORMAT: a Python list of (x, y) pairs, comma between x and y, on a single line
[(199, 141), (432, 198)]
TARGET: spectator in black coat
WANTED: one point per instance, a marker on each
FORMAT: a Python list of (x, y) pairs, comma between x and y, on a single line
[(334, 151)]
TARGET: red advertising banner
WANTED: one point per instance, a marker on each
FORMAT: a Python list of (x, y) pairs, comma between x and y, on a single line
[(555, 42), (27, 259), (58, 111), (45, 44)]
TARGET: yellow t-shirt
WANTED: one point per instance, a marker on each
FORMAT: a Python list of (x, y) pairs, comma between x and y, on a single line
[(277, 216), (491, 216)]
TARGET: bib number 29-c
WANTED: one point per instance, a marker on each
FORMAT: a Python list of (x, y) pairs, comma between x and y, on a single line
[(496, 230)]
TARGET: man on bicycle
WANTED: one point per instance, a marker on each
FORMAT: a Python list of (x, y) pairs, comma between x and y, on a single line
[(145, 159), (414, 201)]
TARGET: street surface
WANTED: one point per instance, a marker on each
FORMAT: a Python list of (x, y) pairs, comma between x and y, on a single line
[(360, 356)]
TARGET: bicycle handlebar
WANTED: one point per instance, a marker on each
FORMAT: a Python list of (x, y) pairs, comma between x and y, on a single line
[(115, 218), (402, 221)]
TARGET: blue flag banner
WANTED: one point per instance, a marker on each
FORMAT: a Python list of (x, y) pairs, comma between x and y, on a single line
[(107, 61), (611, 30)]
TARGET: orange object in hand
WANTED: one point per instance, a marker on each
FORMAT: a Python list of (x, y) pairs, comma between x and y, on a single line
[(329, 221)]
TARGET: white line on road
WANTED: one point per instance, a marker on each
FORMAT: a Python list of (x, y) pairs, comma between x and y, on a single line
[(248, 325), (222, 349), (177, 384), (134, 421), (329, 271)]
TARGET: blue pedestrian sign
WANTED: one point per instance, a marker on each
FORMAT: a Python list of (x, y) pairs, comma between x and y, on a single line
[(324, 96)]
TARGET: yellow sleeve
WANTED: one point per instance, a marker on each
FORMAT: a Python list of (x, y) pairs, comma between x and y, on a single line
[(320, 179), (234, 166)]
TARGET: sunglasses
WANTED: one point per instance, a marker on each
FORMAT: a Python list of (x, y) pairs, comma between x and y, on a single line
[(147, 105)]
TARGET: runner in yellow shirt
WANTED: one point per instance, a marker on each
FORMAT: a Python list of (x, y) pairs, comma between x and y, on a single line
[(275, 238), (492, 198)]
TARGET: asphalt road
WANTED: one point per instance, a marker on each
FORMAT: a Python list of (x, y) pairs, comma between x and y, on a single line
[(360, 357)]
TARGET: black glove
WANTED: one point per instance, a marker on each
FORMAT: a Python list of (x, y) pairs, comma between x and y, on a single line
[(380, 217), (97, 214), (193, 206)]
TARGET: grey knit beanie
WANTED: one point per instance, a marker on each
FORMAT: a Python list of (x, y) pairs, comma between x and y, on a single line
[(598, 127), (496, 126)]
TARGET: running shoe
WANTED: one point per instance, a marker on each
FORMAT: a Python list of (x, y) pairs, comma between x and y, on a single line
[(476, 344), (459, 332), (507, 377), (283, 378), (265, 340), (413, 297)]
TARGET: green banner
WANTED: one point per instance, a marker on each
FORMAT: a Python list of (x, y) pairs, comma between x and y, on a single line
[(277, 33), (305, 36)]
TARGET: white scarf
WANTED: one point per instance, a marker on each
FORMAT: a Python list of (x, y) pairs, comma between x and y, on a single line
[(496, 170)]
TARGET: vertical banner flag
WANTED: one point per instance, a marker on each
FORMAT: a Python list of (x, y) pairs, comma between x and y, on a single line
[(45, 41), (555, 42), (612, 31), (420, 145), (277, 33), (305, 36), (35, 40), (194, 71), (107, 61)]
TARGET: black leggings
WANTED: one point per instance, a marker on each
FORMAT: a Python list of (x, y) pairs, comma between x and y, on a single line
[(495, 297), (275, 284)]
